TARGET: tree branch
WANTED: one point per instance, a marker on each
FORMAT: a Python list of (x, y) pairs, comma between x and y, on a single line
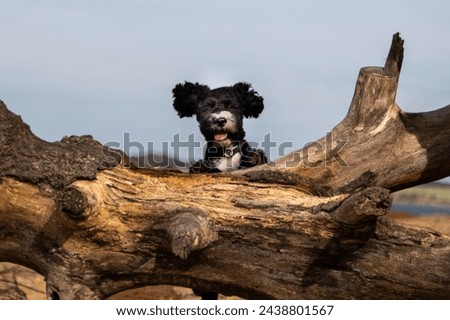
[(306, 226), (377, 144)]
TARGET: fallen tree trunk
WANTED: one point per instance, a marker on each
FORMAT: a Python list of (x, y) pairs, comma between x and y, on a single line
[(307, 226)]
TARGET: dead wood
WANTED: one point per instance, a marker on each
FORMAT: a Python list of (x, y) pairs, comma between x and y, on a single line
[(309, 225)]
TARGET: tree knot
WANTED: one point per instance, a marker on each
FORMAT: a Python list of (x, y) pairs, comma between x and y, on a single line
[(364, 206), (74, 203), (190, 229)]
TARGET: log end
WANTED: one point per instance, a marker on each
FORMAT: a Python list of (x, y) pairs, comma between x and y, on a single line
[(190, 230), (364, 206), (75, 203)]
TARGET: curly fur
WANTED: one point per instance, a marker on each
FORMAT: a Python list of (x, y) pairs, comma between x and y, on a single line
[(219, 113)]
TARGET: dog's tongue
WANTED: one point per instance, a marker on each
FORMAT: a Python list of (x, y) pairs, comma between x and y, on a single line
[(220, 136)]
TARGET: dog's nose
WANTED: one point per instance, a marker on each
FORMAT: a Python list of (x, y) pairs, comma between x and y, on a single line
[(220, 121)]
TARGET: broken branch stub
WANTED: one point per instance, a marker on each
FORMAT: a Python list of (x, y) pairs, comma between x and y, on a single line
[(306, 226)]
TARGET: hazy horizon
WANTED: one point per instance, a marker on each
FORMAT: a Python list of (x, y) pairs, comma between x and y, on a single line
[(107, 68)]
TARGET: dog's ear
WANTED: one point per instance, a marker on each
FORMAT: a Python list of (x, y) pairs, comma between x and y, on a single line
[(187, 96), (251, 101)]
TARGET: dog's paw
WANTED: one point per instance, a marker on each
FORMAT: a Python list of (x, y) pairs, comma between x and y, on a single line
[(198, 167), (203, 166), (253, 158)]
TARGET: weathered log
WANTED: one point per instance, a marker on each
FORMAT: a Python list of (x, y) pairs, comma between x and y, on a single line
[(377, 144), (307, 225)]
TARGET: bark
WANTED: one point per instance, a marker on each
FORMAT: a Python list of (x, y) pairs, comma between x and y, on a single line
[(307, 226), (377, 144)]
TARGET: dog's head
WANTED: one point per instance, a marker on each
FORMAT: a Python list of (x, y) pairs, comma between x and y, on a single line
[(219, 111)]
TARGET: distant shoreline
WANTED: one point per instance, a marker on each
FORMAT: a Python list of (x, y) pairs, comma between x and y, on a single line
[(423, 199), (419, 209)]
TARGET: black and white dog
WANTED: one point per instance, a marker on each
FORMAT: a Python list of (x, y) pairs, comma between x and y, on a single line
[(220, 113)]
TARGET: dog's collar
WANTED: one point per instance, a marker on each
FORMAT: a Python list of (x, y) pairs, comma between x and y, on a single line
[(230, 152)]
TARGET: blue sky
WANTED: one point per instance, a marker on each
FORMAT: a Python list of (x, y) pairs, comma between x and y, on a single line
[(107, 68)]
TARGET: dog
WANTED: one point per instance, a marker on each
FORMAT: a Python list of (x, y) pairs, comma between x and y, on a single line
[(220, 114)]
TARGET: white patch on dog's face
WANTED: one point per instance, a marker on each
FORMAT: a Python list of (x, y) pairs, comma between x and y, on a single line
[(222, 114), (230, 125), (221, 131)]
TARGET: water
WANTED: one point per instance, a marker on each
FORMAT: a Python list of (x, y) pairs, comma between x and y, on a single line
[(420, 210)]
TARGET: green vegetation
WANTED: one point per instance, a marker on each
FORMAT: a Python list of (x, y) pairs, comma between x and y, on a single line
[(428, 194)]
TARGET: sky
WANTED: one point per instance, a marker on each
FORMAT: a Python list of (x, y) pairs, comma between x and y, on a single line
[(107, 67)]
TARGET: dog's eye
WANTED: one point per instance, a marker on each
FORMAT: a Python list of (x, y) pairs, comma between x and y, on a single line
[(228, 104), (210, 103)]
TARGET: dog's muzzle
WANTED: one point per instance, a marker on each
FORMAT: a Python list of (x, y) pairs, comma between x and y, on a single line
[(221, 121)]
